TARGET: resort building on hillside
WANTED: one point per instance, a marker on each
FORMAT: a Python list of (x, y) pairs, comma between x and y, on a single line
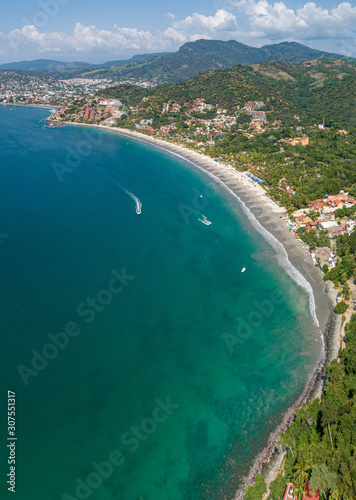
[(289, 493), (304, 141)]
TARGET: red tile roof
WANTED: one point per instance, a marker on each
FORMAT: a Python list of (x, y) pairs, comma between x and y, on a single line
[(309, 494), (288, 494)]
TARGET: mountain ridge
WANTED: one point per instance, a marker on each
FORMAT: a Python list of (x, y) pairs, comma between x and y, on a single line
[(44, 65), (314, 90), (191, 58)]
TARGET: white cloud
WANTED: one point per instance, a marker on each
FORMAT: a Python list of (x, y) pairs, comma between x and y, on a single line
[(83, 39), (91, 39), (221, 25), (310, 22), (255, 22)]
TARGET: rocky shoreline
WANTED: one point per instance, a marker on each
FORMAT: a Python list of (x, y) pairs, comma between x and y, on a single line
[(269, 460), (267, 212)]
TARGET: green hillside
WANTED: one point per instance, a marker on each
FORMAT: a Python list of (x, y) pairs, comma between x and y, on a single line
[(321, 443), (314, 90), (195, 57)]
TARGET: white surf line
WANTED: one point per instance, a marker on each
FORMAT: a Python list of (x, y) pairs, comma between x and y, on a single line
[(282, 256)]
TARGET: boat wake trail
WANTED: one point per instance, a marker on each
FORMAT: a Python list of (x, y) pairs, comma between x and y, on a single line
[(204, 220), (282, 255), (136, 200)]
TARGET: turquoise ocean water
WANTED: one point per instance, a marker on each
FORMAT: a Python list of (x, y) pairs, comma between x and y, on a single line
[(179, 373)]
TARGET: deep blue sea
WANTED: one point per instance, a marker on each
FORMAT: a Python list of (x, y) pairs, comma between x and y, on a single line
[(145, 364)]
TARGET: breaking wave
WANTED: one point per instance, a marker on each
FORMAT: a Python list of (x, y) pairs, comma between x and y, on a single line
[(282, 256)]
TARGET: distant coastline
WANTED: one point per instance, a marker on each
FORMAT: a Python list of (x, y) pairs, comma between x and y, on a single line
[(44, 106), (268, 215)]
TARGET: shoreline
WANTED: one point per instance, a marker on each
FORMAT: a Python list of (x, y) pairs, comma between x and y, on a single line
[(43, 106), (267, 214)]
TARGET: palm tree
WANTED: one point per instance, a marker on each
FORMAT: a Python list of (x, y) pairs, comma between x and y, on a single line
[(299, 491), (301, 472)]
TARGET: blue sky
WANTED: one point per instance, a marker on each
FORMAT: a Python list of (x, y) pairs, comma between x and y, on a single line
[(94, 31)]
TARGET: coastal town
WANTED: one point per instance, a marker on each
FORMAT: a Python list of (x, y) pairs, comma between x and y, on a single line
[(270, 154), (203, 127), (20, 88), (318, 225)]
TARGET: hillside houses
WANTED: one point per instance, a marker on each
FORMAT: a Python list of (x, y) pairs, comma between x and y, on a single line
[(206, 130), (303, 141), (165, 108), (259, 115), (307, 494), (176, 107), (110, 103), (326, 220), (332, 203), (252, 107)]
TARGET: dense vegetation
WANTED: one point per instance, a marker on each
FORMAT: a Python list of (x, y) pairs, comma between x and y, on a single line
[(314, 90), (321, 443), (195, 57), (322, 168), (346, 267)]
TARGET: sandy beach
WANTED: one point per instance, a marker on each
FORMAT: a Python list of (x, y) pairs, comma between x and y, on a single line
[(267, 218)]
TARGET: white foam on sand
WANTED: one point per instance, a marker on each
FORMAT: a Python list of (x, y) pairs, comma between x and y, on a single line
[(282, 255), (281, 252)]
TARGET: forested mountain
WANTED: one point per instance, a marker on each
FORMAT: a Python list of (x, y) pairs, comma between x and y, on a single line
[(202, 55), (134, 59), (43, 65), (192, 58), (314, 90)]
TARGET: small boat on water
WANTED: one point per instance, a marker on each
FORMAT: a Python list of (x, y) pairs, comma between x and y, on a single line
[(204, 220), (243, 269)]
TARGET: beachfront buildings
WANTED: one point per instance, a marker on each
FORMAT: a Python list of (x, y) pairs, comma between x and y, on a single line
[(307, 494), (324, 215)]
